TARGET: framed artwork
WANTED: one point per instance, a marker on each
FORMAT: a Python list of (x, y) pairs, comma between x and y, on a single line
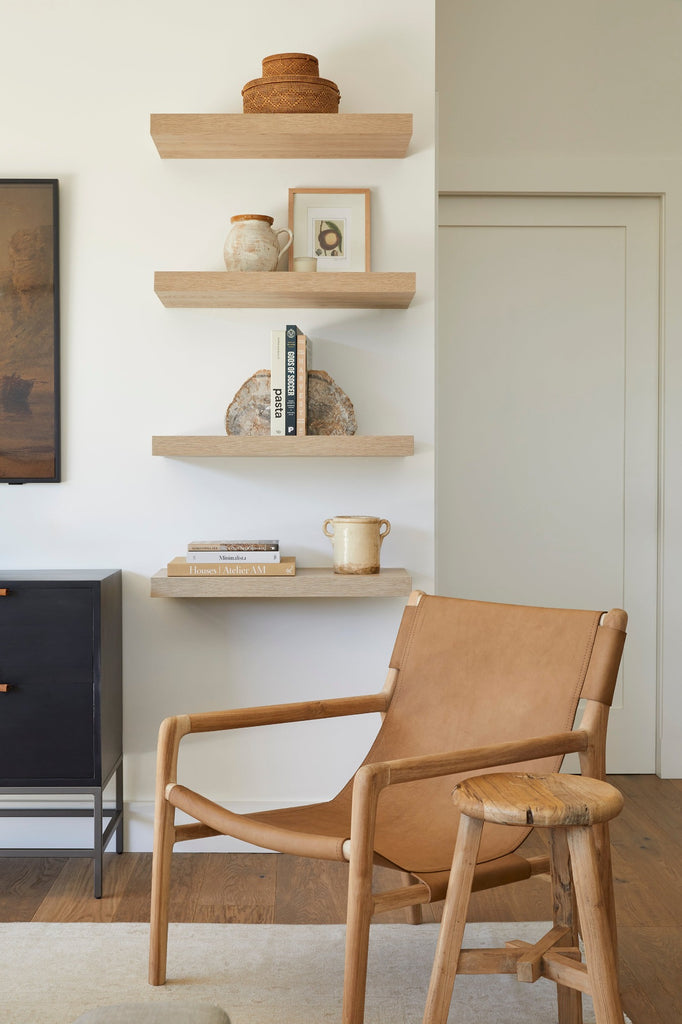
[(332, 225), (29, 331)]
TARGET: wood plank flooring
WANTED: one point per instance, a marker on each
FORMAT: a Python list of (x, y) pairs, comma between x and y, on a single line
[(239, 888)]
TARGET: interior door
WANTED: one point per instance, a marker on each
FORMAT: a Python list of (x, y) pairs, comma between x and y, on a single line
[(547, 472)]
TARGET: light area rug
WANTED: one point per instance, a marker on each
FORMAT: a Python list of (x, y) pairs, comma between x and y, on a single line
[(260, 974)]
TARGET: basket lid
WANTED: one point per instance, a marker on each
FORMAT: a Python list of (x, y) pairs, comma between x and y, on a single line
[(307, 80), (289, 56)]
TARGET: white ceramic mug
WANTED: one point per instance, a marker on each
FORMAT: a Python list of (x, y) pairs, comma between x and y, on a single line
[(305, 264), (356, 542)]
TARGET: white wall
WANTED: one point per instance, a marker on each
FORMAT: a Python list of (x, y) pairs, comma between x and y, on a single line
[(80, 81), (541, 96)]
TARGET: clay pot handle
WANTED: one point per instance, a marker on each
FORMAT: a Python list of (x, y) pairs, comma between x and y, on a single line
[(290, 234), (324, 528), (384, 522)]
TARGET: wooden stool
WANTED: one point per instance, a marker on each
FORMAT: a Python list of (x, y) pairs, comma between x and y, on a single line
[(569, 806)]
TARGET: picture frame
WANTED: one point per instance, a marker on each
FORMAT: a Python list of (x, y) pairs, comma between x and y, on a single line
[(29, 331), (333, 225)]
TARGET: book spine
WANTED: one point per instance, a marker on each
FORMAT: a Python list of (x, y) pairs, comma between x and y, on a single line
[(302, 384), (277, 383), (290, 388), (233, 545), (234, 556), (180, 567)]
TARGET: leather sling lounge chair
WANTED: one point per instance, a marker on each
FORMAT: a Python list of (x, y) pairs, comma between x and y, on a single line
[(472, 686)]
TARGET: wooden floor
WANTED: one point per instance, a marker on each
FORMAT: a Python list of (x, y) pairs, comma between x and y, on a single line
[(647, 859)]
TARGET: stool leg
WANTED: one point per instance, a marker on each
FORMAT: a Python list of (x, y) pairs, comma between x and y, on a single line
[(600, 958), (454, 918), (603, 844), (564, 912)]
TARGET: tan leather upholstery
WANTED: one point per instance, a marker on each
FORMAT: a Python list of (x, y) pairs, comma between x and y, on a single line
[(469, 673), (603, 670)]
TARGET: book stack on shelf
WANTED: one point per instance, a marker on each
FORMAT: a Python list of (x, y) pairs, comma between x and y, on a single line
[(233, 558), (289, 359)]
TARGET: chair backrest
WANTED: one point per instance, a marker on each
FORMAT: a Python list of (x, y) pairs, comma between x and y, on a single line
[(468, 674)]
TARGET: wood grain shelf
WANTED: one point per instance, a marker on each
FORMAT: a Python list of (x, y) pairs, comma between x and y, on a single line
[(307, 446), (217, 289), (281, 136), (310, 582)]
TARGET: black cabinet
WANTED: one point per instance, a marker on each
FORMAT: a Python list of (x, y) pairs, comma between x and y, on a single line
[(60, 695)]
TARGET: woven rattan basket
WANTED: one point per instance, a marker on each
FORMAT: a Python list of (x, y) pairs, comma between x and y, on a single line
[(290, 64), (291, 94)]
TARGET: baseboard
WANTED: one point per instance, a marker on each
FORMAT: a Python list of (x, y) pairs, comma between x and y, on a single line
[(63, 833)]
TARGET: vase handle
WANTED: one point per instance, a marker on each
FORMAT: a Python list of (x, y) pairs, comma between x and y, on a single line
[(285, 231)]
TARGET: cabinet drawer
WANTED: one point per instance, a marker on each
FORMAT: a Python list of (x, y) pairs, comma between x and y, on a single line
[(47, 662), (46, 733)]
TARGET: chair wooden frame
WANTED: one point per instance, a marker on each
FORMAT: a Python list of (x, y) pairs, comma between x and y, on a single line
[(371, 782)]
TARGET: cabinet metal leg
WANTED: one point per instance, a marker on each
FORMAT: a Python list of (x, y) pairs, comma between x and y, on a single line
[(98, 848), (101, 836), (119, 808)]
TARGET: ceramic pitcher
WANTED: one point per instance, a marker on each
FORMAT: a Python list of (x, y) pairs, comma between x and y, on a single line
[(356, 542), (252, 244)]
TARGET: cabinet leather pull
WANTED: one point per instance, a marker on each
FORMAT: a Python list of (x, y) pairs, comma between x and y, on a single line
[(4, 591), (4, 687)]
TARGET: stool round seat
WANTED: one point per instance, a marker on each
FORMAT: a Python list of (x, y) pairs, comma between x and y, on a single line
[(547, 801)]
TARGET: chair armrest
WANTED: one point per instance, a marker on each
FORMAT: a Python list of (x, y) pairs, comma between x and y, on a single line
[(174, 728), (372, 779), (412, 769), (275, 714)]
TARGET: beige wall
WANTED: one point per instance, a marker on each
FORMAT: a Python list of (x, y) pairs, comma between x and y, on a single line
[(538, 96)]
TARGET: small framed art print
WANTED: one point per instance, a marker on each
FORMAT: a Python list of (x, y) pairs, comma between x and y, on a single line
[(331, 225)]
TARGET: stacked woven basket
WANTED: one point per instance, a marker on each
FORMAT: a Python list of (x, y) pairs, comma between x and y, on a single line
[(291, 85)]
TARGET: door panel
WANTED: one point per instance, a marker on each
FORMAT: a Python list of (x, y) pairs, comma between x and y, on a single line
[(548, 419)]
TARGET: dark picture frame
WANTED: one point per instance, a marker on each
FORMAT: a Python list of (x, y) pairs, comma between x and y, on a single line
[(29, 331)]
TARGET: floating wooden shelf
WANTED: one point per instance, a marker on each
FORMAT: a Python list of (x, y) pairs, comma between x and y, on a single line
[(284, 290), (318, 582), (263, 446), (281, 136)]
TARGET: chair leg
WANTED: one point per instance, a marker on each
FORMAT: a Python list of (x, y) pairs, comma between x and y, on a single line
[(564, 912), (358, 920), (600, 958), (164, 836), (454, 919)]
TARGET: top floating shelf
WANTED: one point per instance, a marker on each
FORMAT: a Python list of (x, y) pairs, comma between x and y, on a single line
[(281, 136)]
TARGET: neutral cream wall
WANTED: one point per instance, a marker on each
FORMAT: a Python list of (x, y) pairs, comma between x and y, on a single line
[(79, 82), (541, 96)]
